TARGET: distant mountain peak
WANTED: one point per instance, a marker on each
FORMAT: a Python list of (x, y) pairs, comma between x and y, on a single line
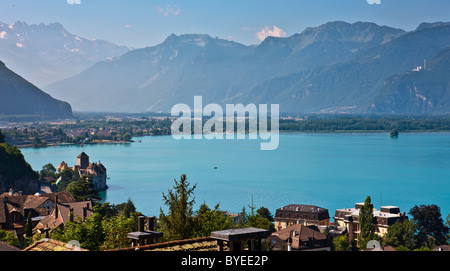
[(188, 37), (423, 26), (45, 53)]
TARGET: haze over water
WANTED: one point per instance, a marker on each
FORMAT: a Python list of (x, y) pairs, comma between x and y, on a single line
[(329, 170)]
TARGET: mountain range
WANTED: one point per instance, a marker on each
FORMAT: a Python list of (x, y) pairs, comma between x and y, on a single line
[(337, 67), (44, 54)]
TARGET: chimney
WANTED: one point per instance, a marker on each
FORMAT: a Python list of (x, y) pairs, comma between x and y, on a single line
[(46, 231), (85, 210), (289, 240), (56, 206), (151, 223), (141, 222)]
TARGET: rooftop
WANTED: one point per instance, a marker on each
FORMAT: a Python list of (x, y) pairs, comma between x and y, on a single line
[(303, 208), (355, 212), (83, 155), (240, 234), (52, 245), (196, 244), (7, 247)]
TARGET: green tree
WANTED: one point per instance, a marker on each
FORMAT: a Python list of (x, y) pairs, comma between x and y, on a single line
[(242, 218), (67, 176), (48, 170), (37, 142), (13, 165), (256, 219), (95, 232), (329, 236), (29, 226), (340, 243), (207, 221), (106, 210), (429, 223), (88, 233), (127, 137), (447, 223), (9, 238), (83, 189), (179, 221), (116, 230), (264, 212), (401, 235), (366, 225), (260, 222), (127, 208)]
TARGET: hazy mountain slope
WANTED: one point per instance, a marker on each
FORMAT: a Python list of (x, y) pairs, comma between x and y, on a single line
[(330, 43), (351, 86), (156, 78), (44, 54), (20, 97), (418, 91)]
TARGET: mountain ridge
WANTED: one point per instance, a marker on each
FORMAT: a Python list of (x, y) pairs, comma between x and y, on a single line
[(44, 54), (156, 78), (21, 98), (335, 67)]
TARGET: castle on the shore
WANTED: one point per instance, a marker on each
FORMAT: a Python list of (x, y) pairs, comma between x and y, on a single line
[(85, 168)]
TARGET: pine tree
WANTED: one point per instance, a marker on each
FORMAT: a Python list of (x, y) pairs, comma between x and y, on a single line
[(178, 224), (29, 226)]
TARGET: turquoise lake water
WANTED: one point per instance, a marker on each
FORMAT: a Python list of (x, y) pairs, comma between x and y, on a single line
[(329, 170)]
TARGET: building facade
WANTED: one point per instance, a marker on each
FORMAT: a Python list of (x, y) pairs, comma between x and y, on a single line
[(299, 214), (383, 219)]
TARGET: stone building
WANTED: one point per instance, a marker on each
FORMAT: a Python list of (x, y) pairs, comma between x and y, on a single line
[(298, 213), (85, 168)]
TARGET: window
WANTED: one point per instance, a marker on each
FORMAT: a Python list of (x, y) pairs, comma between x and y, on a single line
[(15, 216)]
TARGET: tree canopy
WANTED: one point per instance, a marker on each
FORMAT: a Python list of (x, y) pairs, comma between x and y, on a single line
[(13, 165), (430, 223), (83, 189), (366, 225)]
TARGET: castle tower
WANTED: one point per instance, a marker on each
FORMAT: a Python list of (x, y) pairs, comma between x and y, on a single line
[(83, 160), (63, 166)]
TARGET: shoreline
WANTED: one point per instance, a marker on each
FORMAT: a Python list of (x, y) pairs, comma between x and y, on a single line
[(280, 132), (65, 143)]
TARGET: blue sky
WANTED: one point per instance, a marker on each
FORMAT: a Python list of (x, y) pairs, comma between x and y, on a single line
[(141, 23)]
